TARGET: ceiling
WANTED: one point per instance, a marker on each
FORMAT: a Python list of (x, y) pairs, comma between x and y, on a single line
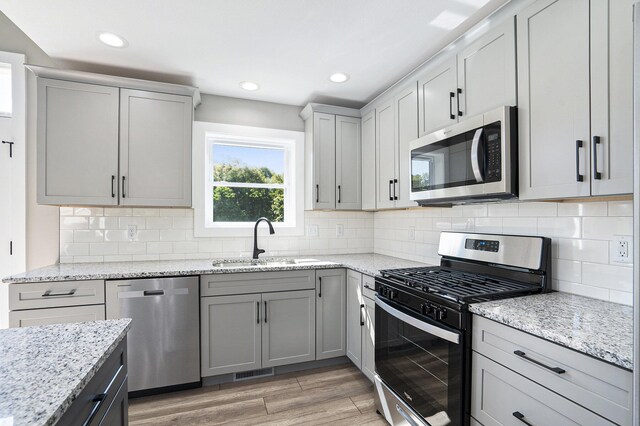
[(289, 47)]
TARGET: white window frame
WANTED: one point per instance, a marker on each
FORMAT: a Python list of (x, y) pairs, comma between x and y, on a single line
[(204, 135)]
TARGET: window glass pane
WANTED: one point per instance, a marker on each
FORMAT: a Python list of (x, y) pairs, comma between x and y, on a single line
[(245, 164), (247, 204), (5, 90)]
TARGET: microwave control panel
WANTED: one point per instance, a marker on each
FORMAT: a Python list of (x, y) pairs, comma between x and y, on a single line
[(493, 154)]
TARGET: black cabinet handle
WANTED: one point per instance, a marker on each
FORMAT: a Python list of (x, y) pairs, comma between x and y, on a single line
[(320, 289), (153, 292), (339, 194), (390, 196), (317, 193), (258, 312), (49, 294), (395, 181), (113, 189), (10, 147), (518, 415), (579, 177), (451, 96), (458, 93), (265, 311), (361, 316), (123, 195), (596, 173), (97, 402), (556, 370)]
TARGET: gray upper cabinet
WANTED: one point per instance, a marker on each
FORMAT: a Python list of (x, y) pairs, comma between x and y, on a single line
[(231, 334), (487, 72), (333, 158), (386, 153), (437, 101), (369, 161), (288, 329), (102, 141), (155, 149), (331, 313), (553, 93), (348, 163), (406, 115), (612, 97), (77, 143)]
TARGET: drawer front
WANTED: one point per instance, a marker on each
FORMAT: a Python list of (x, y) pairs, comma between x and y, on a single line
[(256, 282), (499, 395), (368, 286), (55, 294), (604, 388), (56, 316), (94, 401)]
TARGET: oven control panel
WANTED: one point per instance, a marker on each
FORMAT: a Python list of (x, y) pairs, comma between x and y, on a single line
[(482, 245)]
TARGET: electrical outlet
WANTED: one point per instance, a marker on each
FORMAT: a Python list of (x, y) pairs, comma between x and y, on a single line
[(312, 230), (132, 232), (339, 230), (622, 249), (412, 233)]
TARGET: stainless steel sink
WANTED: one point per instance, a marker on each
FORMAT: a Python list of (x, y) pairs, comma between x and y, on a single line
[(233, 264), (261, 263)]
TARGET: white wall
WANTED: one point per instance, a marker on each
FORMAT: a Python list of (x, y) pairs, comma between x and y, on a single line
[(582, 236)]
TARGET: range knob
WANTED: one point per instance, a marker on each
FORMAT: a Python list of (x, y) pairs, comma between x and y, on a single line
[(392, 294), (441, 314)]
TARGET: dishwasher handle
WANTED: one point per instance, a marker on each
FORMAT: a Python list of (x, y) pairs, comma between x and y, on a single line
[(154, 292)]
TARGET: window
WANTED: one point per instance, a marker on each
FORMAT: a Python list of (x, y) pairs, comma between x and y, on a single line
[(6, 100), (247, 173)]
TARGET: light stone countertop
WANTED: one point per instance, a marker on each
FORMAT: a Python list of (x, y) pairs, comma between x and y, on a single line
[(595, 327), (43, 369), (369, 264)]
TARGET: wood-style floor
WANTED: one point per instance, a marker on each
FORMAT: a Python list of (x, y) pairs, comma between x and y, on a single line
[(339, 395)]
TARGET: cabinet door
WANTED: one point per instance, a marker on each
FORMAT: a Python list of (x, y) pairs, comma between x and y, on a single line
[(612, 97), (56, 315), (77, 143), (230, 327), (355, 317), (155, 149), (437, 107), (487, 72), (118, 412), (407, 130), (331, 311), (369, 161), (553, 92), (288, 329), (348, 163), (324, 160), (368, 339), (386, 150)]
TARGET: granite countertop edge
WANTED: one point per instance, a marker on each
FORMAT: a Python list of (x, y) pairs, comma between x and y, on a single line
[(592, 344), (61, 410)]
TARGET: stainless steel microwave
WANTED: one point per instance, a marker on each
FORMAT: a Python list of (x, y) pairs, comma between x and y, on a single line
[(476, 160)]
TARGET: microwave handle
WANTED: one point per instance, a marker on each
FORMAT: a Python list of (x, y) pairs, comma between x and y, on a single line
[(475, 160)]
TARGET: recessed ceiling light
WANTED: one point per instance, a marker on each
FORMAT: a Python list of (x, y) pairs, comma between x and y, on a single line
[(112, 40), (339, 77), (249, 85), (448, 20)]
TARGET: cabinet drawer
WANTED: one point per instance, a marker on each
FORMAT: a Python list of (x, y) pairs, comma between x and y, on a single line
[(95, 400), (31, 317), (604, 388), (498, 395), (55, 294), (256, 282), (368, 287)]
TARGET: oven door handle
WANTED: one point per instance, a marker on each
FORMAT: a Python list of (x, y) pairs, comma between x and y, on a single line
[(406, 416), (475, 158), (449, 336)]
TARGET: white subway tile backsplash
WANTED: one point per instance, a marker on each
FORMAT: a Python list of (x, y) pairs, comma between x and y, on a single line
[(581, 233)]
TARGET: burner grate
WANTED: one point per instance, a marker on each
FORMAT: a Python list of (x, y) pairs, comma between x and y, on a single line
[(460, 286)]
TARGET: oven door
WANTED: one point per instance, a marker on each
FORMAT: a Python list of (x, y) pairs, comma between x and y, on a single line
[(421, 362)]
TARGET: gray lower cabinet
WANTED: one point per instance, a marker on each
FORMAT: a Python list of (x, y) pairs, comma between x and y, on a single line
[(361, 322), (104, 400), (368, 339), (331, 305), (288, 328), (259, 330), (231, 328)]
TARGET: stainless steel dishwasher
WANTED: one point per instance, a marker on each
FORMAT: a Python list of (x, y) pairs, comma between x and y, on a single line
[(164, 340)]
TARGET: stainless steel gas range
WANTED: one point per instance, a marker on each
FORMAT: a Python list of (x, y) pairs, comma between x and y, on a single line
[(423, 326)]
